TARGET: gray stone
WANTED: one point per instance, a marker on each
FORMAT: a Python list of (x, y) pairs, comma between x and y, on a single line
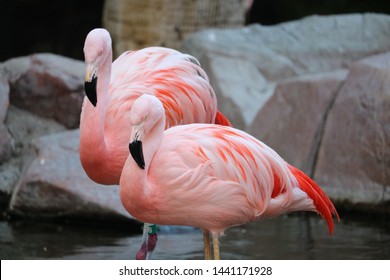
[(48, 85), (240, 87), (56, 186), (292, 120), (5, 144), (5, 138), (24, 127), (4, 95), (9, 176), (244, 64), (313, 44), (354, 158)]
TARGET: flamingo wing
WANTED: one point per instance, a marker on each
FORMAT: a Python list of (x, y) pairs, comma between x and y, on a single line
[(238, 177)]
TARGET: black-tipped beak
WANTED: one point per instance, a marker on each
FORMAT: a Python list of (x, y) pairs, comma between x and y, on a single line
[(90, 90), (135, 148)]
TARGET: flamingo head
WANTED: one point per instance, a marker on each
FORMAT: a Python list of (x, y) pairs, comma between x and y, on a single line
[(97, 48), (145, 113)]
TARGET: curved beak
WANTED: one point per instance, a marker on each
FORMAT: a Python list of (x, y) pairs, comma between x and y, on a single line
[(135, 148), (91, 83)]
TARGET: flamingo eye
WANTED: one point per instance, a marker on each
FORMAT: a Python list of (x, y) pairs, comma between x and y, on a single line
[(145, 117), (100, 53)]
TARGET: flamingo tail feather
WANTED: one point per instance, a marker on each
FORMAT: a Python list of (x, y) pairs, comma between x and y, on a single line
[(222, 120), (321, 201)]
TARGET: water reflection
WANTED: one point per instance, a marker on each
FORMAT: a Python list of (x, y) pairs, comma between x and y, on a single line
[(293, 237)]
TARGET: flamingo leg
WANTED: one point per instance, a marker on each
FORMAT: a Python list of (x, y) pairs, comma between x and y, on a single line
[(149, 241), (206, 242), (143, 250), (217, 255)]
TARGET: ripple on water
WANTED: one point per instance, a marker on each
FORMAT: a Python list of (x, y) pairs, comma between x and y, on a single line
[(293, 237)]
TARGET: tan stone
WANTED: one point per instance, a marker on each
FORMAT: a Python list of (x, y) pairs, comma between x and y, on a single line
[(354, 157), (137, 24), (48, 85), (292, 120), (244, 64)]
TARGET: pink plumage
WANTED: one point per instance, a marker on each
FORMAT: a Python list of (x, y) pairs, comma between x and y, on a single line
[(209, 176), (175, 78)]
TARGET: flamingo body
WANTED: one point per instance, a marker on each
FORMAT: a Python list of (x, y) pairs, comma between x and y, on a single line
[(175, 78), (209, 176)]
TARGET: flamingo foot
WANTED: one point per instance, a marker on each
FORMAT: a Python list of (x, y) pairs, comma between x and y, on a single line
[(152, 242), (142, 252)]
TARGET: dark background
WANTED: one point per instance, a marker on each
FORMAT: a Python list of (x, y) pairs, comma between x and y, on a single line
[(60, 27)]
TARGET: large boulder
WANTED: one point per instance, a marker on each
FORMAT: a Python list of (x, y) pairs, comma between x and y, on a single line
[(48, 85), (241, 88), (5, 138), (311, 45), (354, 158), (55, 185), (4, 96), (293, 119), (24, 127)]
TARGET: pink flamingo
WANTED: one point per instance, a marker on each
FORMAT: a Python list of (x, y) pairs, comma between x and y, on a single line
[(209, 176), (111, 88)]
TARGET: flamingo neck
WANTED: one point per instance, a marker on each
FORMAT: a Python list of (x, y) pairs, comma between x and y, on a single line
[(93, 145), (136, 188), (102, 88)]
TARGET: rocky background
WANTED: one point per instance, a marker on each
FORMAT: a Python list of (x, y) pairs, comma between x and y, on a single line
[(316, 90)]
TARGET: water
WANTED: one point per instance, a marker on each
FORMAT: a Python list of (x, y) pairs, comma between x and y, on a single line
[(289, 237)]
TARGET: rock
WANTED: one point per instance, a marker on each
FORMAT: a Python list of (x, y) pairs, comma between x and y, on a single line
[(24, 127), (56, 186), (5, 138), (271, 54), (137, 24), (48, 85), (4, 96), (354, 157), (9, 176), (292, 120), (5, 144), (238, 79), (313, 44)]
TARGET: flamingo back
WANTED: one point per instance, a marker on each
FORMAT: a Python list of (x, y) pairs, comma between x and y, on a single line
[(175, 78)]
